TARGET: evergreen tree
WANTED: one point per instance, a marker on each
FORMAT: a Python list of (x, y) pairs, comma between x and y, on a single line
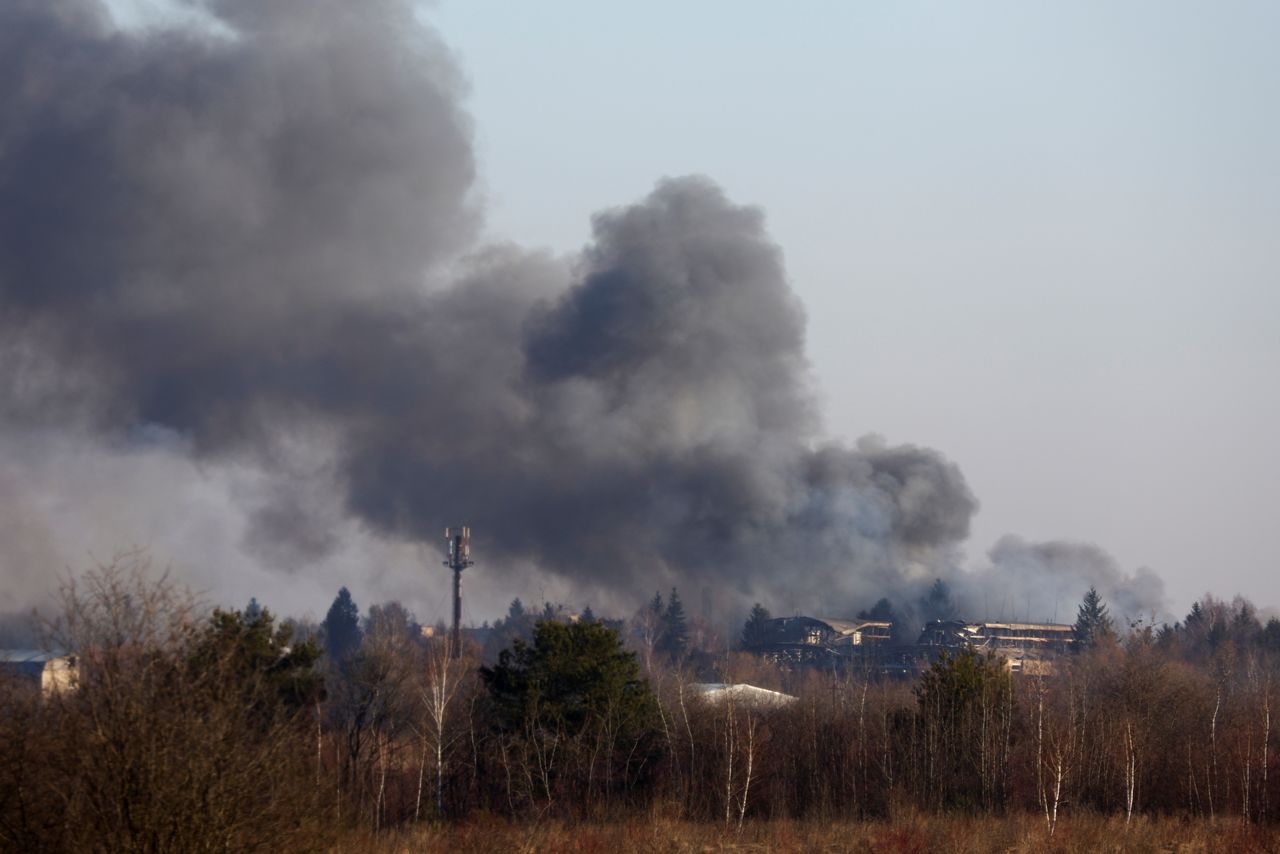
[(755, 630), (268, 664), (342, 627), (1196, 617), (882, 612), (1269, 639), (253, 610), (937, 604), (673, 636), (587, 615), (517, 624), (1245, 627), (1092, 620), (571, 676), (965, 701)]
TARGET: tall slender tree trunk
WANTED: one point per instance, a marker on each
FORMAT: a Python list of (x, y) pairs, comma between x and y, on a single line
[(1130, 771)]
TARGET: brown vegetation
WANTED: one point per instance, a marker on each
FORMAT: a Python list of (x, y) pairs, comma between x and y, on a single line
[(905, 833), (193, 731)]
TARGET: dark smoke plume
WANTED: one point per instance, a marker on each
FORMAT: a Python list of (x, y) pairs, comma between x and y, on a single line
[(253, 245)]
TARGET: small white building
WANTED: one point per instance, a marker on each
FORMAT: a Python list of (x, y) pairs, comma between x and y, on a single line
[(747, 696), (53, 672)]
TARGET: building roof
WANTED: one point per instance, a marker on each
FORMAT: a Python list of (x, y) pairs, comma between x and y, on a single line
[(28, 656), (1029, 627), (848, 627), (746, 695)]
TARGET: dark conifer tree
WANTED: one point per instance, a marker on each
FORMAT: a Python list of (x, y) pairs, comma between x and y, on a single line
[(673, 637), (937, 604), (1269, 639), (882, 611), (342, 627), (655, 605), (1092, 620), (755, 629)]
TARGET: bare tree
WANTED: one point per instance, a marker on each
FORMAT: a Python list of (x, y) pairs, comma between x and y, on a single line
[(185, 731), (1056, 746), (443, 678)]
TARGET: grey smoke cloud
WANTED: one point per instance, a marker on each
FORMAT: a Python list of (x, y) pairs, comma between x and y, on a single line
[(258, 243), (1045, 579)]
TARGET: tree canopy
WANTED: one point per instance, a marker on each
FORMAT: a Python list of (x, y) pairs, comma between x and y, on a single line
[(1092, 620), (937, 604), (342, 627), (753, 631), (262, 661), (882, 611), (673, 631), (965, 710), (570, 674)]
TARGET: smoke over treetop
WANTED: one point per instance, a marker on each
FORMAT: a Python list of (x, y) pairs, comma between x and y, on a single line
[(228, 238), (1046, 578)]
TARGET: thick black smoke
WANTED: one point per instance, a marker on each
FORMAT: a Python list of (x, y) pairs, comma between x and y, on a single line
[(248, 240)]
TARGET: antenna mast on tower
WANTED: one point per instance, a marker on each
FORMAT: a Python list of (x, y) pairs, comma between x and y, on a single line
[(459, 540)]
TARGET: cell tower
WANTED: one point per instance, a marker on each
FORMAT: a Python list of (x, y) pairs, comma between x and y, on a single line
[(459, 540)]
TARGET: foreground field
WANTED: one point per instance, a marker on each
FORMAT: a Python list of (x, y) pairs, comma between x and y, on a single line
[(907, 834)]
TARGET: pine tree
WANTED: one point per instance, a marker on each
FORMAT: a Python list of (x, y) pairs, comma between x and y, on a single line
[(1092, 620), (937, 604), (342, 627), (673, 637), (570, 676), (882, 612), (755, 630), (587, 615), (1270, 637)]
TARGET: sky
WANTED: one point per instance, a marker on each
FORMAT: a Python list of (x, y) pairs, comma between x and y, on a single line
[(1039, 238)]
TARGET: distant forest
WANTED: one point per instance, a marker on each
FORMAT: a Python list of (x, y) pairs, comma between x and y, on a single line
[(196, 730)]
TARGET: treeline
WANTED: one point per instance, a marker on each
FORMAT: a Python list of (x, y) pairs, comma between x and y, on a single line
[(195, 731)]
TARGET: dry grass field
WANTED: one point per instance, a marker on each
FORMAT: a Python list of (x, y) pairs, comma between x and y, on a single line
[(907, 834)]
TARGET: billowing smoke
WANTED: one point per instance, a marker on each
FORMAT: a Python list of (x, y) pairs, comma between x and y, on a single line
[(252, 245), (1041, 581)]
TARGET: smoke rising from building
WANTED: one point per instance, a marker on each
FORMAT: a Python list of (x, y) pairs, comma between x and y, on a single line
[(255, 247)]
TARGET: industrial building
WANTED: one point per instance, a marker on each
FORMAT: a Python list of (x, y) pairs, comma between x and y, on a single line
[(813, 640), (1027, 647), (801, 640)]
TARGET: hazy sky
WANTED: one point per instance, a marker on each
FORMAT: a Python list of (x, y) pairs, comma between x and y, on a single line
[(1041, 238)]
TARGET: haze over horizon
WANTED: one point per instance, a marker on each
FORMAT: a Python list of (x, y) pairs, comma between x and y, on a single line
[(1037, 241)]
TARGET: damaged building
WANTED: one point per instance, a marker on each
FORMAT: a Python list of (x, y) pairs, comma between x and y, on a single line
[(813, 640), (1026, 647)]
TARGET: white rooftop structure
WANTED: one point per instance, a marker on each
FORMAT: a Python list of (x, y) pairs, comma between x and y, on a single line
[(743, 695)]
